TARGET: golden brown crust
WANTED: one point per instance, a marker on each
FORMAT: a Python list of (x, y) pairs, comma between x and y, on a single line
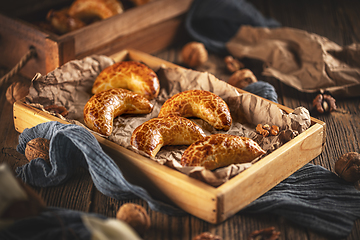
[(199, 103), (130, 75), (102, 108), (158, 132), (219, 150), (62, 22), (90, 9)]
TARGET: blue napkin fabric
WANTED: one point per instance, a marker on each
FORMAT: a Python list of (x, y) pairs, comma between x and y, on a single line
[(312, 197), (215, 22)]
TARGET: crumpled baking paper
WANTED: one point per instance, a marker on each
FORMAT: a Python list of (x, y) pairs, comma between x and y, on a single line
[(303, 60), (70, 86)]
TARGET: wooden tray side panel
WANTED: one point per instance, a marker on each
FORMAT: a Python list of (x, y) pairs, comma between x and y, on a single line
[(270, 171), (28, 117)]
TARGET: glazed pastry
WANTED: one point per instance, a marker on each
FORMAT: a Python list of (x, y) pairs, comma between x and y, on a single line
[(220, 150), (152, 135), (130, 75), (199, 103), (62, 22), (140, 2), (87, 10), (102, 108)]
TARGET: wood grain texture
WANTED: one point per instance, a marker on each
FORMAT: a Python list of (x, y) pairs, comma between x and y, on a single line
[(211, 204), (149, 28), (336, 20)]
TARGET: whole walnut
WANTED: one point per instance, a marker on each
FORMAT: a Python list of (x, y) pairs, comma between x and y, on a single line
[(194, 54), (348, 166), (134, 215), (242, 78), (233, 64), (38, 148)]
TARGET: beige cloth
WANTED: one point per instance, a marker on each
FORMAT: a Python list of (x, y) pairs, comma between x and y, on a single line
[(303, 60)]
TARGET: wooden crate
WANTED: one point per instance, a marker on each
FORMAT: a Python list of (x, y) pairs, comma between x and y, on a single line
[(212, 204), (148, 28)]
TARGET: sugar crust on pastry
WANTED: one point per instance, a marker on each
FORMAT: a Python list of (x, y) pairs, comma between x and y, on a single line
[(130, 75), (199, 103), (155, 133), (103, 107), (90, 9), (220, 150)]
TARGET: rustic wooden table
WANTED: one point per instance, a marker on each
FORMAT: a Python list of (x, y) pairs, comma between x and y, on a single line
[(337, 20)]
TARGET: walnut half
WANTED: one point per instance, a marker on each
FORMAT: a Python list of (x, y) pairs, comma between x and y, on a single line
[(324, 103)]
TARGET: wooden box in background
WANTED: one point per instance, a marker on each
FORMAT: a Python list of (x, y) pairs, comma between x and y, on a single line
[(149, 28)]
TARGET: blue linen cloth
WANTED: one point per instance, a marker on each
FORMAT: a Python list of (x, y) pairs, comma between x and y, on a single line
[(263, 89), (214, 22), (312, 197), (71, 147)]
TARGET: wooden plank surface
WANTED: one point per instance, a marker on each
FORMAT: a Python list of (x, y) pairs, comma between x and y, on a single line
[(337, 20), (213, 205)]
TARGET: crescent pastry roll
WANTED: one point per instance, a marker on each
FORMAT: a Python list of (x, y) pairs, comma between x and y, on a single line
[(87, 10), (152, 135), (130, 75), (220, 150), (199, 103), (103, 107)]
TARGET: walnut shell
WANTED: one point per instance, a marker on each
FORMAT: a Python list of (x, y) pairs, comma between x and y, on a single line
[(38, 148), (242, 78), (194, 54), (348, 166), (232, 64), (134, 215)]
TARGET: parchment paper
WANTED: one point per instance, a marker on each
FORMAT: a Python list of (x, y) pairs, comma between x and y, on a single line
[(303, 60), (70, 86)]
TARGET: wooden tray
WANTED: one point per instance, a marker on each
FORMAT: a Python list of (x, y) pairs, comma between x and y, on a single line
[(211, 204), (148, 28)]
